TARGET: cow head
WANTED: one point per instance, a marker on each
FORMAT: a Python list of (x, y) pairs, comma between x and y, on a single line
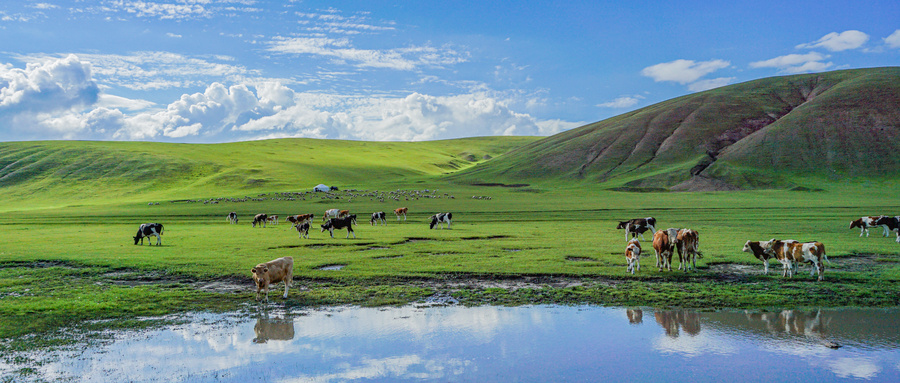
[(326, 226), (261, 275), (622, 225), (137, 238), (434, 221), (856, 223)]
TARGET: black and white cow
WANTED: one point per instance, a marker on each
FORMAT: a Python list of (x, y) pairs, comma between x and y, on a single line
[(340, 223), (303, 229), (260, 219), (865, 223), (148, 230), (232, 218), (441, 218), (378, 217), (637, 226)]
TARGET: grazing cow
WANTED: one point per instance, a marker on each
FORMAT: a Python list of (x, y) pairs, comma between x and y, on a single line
[(795, 253), (272, 272), (340, 223), (378, 217), (760, 250), (330, 213), (663, 246), (866, 223), (273, 219), (633, 256), (687, 242), (303, 229), (260, 219), (299, 218), (232, 218), (637, 226), (343, 213), (401, 211), (441, 218), (147, 230)]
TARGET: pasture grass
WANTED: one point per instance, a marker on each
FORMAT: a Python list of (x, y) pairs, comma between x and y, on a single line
[(60, 267)]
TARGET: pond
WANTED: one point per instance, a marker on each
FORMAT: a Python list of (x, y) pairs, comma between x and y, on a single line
[(489, 344)]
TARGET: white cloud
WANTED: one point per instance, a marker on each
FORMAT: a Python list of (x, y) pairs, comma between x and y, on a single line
[(893, 41), (837, 42), (114, 102), (622, 102), (42, 87), (795, 63), (683, 71), (702, 85), (173, 35), (408, 58)]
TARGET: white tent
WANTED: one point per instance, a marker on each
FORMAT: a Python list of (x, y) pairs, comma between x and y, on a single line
[(321, 188)]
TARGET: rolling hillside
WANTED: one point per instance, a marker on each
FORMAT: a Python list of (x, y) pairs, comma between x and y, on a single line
[(60, 173), (775, 132)]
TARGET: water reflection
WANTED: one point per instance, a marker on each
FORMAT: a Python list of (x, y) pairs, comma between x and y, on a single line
[(543, 343)]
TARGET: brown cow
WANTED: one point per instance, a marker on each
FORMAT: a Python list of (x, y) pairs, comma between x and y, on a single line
[(272, 272), (796, 253), (633, 256), (401, 211), (664, 247), (688, 243), (343, 213), (299, 219)]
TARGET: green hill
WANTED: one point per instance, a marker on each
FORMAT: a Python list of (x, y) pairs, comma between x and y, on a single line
[(61, 173), (775, 132)]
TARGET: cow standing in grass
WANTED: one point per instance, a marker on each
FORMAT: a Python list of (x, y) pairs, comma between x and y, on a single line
[(340, 223), (663, 246), (148, 230), (260, 219), (687, 242), (637, 226), (401, 211), (272, 272), (378, 217), (232, 218), (441, 219), (633, 256), (303, 229)]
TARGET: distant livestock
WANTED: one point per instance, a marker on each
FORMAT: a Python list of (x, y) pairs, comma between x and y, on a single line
[(272, 272), (148, 230), (865, 223), (232, 218), (330, 213), (299, 219), (401, 211), (441, 219), (633, 256), (260, 219), (303, 229), (273, 219), (340, 223), (637, 226), (378, 217)]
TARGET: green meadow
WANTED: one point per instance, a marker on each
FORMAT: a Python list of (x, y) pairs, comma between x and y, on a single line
[(70, 209)]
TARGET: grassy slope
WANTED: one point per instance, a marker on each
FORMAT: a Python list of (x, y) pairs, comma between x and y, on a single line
[(61, 173), (829, 125)]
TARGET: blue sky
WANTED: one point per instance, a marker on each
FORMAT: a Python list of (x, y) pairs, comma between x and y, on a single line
[(232, 70)]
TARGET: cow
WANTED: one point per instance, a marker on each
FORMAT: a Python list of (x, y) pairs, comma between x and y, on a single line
[(303, 229), (866, 223), (761, 250), (378, 217), (633, 256), (147, 230), (272, 272), (330, 213), (232, 218), (260, 219), (687, 242), (343, 213), (663, 246), (637, 226), (441, 218), (795, 253), (401, 211), (340, 223), (273, 219), (299, 219)]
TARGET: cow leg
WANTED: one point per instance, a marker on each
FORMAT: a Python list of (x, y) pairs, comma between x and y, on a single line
[(885, 228)]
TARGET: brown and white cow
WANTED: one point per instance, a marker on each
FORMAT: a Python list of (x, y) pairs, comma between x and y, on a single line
[(260, 219), (866, 223), (273, 219), (761, 250), (272, 272), (299, 219), (637, 226), (343, 213), (795, 253), (664, 246), (687, 241), (401, 211), (330, 213), (633, 256)]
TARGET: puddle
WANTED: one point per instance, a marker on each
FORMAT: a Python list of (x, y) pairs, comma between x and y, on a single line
[(432, 341), (331, 267)]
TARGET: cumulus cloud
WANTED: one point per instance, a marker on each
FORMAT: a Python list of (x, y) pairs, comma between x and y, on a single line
[(795, 63), (622, 102), (683, 71), (893, 41), (837, 42)]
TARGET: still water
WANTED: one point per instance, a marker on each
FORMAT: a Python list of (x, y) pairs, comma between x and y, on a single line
[(499, 344)]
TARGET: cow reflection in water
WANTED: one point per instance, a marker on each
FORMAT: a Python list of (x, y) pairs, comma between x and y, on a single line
[(794, 322), (635, 316), (673, 320), (267, 329)]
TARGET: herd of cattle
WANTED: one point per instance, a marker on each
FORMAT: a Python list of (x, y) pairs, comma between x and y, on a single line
[(686, 242)]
